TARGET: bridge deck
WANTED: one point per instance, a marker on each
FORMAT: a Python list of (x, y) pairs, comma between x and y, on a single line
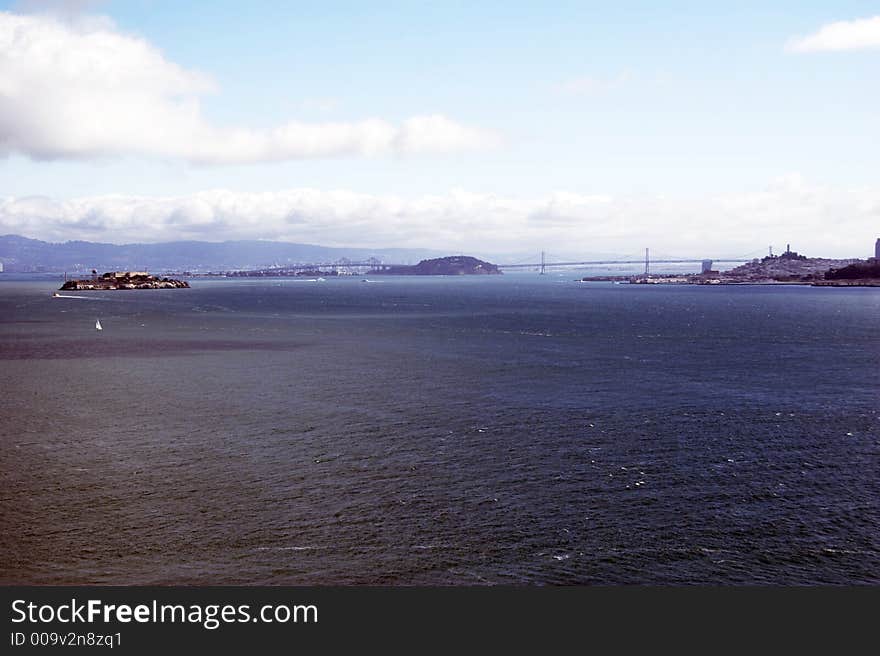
[(532, 265)]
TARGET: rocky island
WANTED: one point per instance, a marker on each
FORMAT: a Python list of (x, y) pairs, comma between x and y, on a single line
[(123, 280), (456, 265)]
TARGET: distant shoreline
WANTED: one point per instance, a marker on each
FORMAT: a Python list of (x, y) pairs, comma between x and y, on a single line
[(728, 283)]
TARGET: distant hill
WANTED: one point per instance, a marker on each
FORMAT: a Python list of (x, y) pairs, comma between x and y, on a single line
[(455, 265), (786, 267), (856, 271), (25, 255)]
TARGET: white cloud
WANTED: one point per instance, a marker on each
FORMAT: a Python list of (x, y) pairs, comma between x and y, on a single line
[(438, 134), (815, 220), (83, 89), (67, 9), (857, 34)]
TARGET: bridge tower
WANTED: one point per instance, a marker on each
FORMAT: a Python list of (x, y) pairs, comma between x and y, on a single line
[(542, 263), (647, 262)]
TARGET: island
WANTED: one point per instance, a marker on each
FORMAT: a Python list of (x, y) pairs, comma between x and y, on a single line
[(455, 265), (123, 280)]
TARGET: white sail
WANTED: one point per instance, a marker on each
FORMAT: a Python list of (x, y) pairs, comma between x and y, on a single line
[(98, 324)]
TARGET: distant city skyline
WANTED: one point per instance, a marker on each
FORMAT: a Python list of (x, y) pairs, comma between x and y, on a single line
[(575, 128)]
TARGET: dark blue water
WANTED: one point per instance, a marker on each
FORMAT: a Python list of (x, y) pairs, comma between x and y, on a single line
[(518, 429)]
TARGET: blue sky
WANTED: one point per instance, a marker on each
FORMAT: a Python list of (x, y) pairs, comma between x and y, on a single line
[(582, 125)]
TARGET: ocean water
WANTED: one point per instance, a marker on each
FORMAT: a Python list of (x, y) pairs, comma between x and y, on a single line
[(504, 430)]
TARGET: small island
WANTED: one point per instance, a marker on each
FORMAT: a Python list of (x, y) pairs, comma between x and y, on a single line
[(123, 280), (455, 265)]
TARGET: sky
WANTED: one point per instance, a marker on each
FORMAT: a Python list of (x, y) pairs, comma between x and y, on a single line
[(694, 128)]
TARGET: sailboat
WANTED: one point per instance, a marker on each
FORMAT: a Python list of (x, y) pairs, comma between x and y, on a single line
[(98, 324)]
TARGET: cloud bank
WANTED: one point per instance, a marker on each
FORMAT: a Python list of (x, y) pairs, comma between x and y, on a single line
[(815, 220), (857, 34), (82, 89)]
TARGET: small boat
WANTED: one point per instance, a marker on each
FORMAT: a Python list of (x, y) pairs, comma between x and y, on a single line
[(98, 324)]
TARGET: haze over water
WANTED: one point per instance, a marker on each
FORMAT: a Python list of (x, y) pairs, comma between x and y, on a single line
[(470, 430)]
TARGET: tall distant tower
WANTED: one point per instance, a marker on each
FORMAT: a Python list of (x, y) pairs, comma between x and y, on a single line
[(877, 250)]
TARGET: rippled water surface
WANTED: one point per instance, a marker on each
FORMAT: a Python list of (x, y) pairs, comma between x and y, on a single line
[(512, 429)]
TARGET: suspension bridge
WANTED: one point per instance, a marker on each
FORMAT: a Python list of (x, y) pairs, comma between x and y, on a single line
[(547, 263), (540, 263)]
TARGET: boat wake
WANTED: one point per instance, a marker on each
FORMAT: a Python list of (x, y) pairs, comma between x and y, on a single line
[(88, 298)]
